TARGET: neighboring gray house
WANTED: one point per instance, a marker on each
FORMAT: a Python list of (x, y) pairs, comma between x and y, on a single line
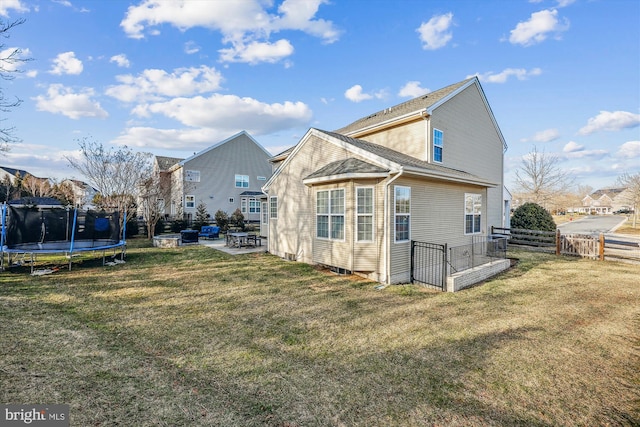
[(226, 176), (429, 170)]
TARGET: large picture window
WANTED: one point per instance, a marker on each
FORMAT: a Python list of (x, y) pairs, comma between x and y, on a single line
[(472, 213), (402, 210), (364, 214), (438, 143), (330, 214)]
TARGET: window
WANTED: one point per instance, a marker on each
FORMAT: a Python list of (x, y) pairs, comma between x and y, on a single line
[(265, 213), (364, 214), (190, 201), (261, 178), (402, 210), (231, 200), (161, 206), (437, 145), (330, 214), (254, 206), (273, 207), (243, 205), (192, 176), (472, 213), (242, 181)]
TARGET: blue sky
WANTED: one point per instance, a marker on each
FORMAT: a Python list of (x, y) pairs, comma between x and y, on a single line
[(175, 77)]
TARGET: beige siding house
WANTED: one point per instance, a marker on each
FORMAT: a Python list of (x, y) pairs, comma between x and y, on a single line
[(226, 176), (430, 169)]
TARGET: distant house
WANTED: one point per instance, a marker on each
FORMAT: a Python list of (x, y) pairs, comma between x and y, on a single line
[(429, 170), (11, 173), (605, 201), (83, 193), (226, 176)]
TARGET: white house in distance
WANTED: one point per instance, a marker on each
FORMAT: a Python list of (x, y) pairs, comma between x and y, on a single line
[(83, 193), (226, 176), (429, 169)]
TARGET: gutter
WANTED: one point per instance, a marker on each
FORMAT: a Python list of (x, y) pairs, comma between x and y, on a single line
[(387, 239)]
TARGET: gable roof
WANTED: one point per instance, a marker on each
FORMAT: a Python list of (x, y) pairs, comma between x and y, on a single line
[(343, 169), (422, 106), (231, 138), (609, 192), (165, 163), (12, 171), (379, 159)]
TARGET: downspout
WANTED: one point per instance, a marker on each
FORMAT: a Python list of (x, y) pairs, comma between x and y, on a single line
[(387, 239)]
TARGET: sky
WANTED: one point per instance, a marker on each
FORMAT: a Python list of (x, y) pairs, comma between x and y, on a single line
[(174, 77)]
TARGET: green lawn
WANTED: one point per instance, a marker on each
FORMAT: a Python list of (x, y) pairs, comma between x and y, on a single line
[(192, 336)]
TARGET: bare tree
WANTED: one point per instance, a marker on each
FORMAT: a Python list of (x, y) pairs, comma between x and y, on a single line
[(37, 187), (115, 173), (632, 184), (150, 193), (540, 178), (9, 61)]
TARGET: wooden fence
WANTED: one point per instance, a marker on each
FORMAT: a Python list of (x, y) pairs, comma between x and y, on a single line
[(599, 247)]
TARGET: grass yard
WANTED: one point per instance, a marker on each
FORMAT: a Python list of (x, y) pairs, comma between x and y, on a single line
[(192, 336)]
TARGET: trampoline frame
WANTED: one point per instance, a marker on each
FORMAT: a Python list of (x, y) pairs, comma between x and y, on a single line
[(67, 247)]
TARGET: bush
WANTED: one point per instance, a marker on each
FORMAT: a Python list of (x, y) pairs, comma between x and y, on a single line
[(178, 225), (237, 219), (222, 220), (133, 229), (202, 216), (532, 216)]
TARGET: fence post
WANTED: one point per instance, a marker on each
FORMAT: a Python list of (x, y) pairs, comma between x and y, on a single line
[(601, 247), (558, 249)]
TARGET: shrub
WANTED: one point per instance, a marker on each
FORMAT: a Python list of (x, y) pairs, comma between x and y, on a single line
[(222, 220), (237, 219), (202, 216), (532, 216)]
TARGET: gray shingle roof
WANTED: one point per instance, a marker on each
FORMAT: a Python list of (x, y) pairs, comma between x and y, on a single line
[(165, 163), (347, 166), (401, 158), (12, 171), (420, 103)]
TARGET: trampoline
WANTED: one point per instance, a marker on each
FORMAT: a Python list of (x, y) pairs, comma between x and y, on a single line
[(28, 231)]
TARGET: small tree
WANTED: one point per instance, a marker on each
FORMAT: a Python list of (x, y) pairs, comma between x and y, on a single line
[(202, 216), (237, 219), (149, 196), (540, 178), (632, 184), (222, 220), (532, 216)]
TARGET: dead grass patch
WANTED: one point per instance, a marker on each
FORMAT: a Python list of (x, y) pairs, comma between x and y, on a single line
[(192, 336)]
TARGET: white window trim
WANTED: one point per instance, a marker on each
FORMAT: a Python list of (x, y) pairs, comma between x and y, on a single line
[(330, 215), (464, 218), (273, 213), (242, 180), (372, 214), (187, 196), (395, 214), (433, 145), (265, 213)]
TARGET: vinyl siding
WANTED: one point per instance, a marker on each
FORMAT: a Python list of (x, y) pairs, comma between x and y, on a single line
[(408, 139), (218, 168), (437, 216)]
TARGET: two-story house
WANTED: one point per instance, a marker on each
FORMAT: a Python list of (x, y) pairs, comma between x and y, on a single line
[(429, 169), (226, 176)]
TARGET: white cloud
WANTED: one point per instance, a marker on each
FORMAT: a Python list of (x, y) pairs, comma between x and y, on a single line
[(629, 150), (230, 112), (355, 94), (191, 47), (546, 135), (538, 28), (16, 5), (155, 85), (246, 25), (434, 33), (412, 90), (256, 52), (66, 63), (62, 100), (565, 3), (572, 147), (611, 121), (121, 60), (503, 76), (16, 55)]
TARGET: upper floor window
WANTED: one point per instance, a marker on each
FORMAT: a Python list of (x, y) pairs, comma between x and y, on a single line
[(472, 213), (438, 140), (402, 211), (242, 181), (364, 214), (189, 201)]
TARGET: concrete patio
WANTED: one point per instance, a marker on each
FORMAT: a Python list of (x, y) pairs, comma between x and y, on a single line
[(220, 244)]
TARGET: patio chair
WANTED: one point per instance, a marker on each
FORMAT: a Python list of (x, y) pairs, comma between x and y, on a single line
[(209, 232)]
